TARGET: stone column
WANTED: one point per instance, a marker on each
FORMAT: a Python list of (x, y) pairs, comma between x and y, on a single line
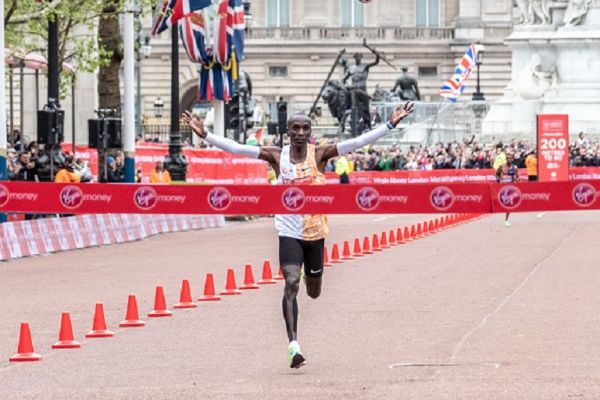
[(313, 13), (469, 23)]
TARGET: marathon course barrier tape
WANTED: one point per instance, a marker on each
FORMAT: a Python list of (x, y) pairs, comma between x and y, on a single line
[(302, 199), (49, 235)]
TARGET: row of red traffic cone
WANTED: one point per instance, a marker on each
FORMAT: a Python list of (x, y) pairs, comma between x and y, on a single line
[(66, 340)]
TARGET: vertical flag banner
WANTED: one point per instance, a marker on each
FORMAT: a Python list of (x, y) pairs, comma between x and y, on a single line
[(553, 147), (453, 87), (214, 38), (168, 12)]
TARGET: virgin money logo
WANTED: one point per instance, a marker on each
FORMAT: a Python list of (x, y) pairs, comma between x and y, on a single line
[(584, 195), (367, 198), (509, 197), (71, 197), (293, 199), (4, 195), (442, 198), (145, 198), (219, 198)]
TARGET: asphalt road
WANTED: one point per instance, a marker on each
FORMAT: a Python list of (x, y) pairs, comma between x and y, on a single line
[(478, 311)]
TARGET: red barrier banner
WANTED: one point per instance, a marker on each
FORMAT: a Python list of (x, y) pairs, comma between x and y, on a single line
[(522, 197), (220, 168), (206, 166), (553, 147), (240, 199)]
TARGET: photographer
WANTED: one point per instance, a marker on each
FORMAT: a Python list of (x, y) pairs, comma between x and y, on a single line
[(26, 168)]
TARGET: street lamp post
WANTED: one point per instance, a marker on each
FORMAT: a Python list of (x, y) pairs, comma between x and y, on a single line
[(158, 107), (145, 50), (175, 161), (478, 95)]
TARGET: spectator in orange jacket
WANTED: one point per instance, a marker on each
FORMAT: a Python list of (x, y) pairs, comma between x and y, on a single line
[(531, 163), (67, 173), (160, 174)]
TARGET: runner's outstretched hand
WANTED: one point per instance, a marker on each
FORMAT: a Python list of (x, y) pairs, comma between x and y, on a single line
[(402, 112), (196, 123)]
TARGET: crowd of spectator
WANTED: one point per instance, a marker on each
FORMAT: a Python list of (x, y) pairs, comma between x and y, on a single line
[(31, 163)]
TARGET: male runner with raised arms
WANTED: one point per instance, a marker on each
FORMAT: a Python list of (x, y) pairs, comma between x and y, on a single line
[(301, 237)]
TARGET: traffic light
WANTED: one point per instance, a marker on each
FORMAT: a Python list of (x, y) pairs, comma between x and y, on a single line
[(282, 116), (232, 115), (249, 111)]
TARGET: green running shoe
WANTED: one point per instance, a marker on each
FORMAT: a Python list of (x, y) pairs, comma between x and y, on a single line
[(295, 357)]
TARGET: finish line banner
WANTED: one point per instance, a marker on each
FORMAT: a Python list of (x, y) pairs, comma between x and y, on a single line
[(303, 199)]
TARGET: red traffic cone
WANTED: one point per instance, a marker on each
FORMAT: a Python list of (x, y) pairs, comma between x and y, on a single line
[(392, 238), (436, 225), (418, 232), (430, 228), (384, 243), (65, 334), (25, 347), (185, 297), (209, 290), (407, 234), (279, 276), (399, 236), (346, 253), (230, 286), (99, 327), (326, 262), (249, 279), (160, 304), (425, 229), (375, 243), (366, 246), (357, 251), (335, 255), (132, 317), (267, 277)]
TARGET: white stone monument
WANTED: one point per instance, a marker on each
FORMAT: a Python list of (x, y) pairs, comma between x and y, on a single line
[(555, 69)]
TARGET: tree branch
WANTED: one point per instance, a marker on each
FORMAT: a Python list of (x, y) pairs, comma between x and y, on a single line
[(10, 11)]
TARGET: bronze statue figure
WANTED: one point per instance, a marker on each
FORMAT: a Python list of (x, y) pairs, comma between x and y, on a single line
[(409, 89), (359, 96)]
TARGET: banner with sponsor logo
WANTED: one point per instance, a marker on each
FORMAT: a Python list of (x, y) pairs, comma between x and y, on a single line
[(521, 197), (553, 147), (242, 199), (205, 166), (220, 168)]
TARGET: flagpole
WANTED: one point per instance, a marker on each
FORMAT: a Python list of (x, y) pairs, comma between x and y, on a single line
[(129, 93), (3, 139)]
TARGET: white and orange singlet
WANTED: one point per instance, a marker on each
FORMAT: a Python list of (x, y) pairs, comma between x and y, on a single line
[(304, 227)]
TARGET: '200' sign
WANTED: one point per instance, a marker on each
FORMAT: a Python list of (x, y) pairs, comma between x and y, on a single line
[(553, 144)]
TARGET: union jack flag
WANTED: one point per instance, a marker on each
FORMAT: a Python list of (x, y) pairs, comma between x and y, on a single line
[(170, 11), (192, 31), (229, 30), (453, 87), (215, 83)]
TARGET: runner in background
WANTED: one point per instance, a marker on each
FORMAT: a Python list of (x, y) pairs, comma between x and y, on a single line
[(507, 173)]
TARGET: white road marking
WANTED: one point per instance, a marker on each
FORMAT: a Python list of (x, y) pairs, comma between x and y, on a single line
[(459, 346), (384, 218), (540, 215)]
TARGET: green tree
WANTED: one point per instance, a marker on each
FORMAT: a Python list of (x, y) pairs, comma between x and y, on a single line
[(89, 37)]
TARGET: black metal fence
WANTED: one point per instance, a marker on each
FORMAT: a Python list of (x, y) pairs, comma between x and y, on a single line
[(158, 131)]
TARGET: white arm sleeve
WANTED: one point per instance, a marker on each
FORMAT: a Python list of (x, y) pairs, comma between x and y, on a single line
[(232, 146), (354, 144)]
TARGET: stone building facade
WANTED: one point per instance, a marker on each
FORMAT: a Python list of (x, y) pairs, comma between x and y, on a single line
[(291, 46)]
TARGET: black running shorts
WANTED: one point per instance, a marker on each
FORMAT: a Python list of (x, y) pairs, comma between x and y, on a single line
[(302, 252)]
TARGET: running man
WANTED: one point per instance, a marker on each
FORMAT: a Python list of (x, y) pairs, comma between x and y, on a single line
[(301, 237), (507, 173)]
